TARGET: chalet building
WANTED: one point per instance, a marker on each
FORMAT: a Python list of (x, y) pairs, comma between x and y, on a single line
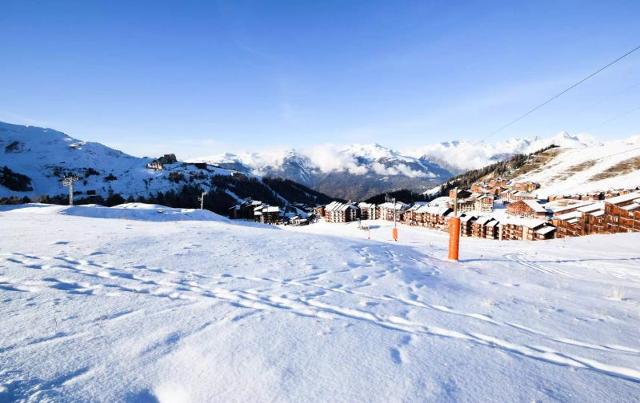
[(480, 226), (624, 199), (466, 224), (418, 215), (436, 217), (621, 219), (270, 215), (244, 210), (498, 183), (328, 210), (412, 216), (510, 231), (569, 224), (512, 195), (479, 187), (525, 186), (492, 229), (341, 212), (155, 165), (505, 195), (526, 229), (267, 214), (616, 214), (534, 230), (527, 208), (484, 203), (522, 195), (368, 211), (389, 210), (466, 205), (493, 186), (462, 194), (564, 206), (297, 221), (545, 232), (594, 196), (159, 163)]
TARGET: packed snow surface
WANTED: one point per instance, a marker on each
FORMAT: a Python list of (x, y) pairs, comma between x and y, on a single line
[(142, 305)]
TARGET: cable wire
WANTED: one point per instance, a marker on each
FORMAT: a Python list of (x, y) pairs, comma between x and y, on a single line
[(535, 108)]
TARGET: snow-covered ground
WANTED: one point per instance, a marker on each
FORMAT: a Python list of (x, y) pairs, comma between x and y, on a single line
[(142, 303), (46, 155), (593, 168)]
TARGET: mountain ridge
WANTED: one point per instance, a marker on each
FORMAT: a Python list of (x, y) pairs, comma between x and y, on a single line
[(33, 162)]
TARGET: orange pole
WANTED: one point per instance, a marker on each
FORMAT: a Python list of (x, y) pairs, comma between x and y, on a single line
[(395, 234), (454, 238)]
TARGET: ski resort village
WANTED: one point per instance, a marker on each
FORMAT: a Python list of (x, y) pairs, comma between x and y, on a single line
[(133, 279), (320, 201)]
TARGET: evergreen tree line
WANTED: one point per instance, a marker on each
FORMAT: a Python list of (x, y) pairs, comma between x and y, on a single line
[(217, 200), (498, 169)]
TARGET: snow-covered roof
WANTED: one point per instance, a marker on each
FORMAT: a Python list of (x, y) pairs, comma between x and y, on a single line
[(545, 230), (569, 216), (484, 219), (417, 205), (439, 201), (331, 206), (271, 209), (591, 207), (533, 223), (345, 207), (466, 218), (337, 206), (559, 208), (390, 205), (623, 198), (535, 206), (524, 221), (632, 207)]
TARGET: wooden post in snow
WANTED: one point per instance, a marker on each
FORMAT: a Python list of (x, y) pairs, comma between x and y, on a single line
[(454, 230)]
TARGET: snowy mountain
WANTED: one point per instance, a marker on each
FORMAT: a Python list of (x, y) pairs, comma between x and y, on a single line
[(352, 172), (460, 156), (360, 171), (591, 168), (33, 161)]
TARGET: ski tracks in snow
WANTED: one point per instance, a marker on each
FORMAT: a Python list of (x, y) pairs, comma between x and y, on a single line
[(301, 296)]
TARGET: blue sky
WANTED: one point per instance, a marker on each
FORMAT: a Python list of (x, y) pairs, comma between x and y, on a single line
[(199, 78)]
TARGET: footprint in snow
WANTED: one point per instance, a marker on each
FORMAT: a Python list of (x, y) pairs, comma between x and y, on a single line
[(397, 353)]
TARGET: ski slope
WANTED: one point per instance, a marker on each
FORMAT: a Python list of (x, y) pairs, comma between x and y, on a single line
[(593, 168), (146, 303)]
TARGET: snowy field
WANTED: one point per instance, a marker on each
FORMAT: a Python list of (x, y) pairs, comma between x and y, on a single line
[(156, 304)]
